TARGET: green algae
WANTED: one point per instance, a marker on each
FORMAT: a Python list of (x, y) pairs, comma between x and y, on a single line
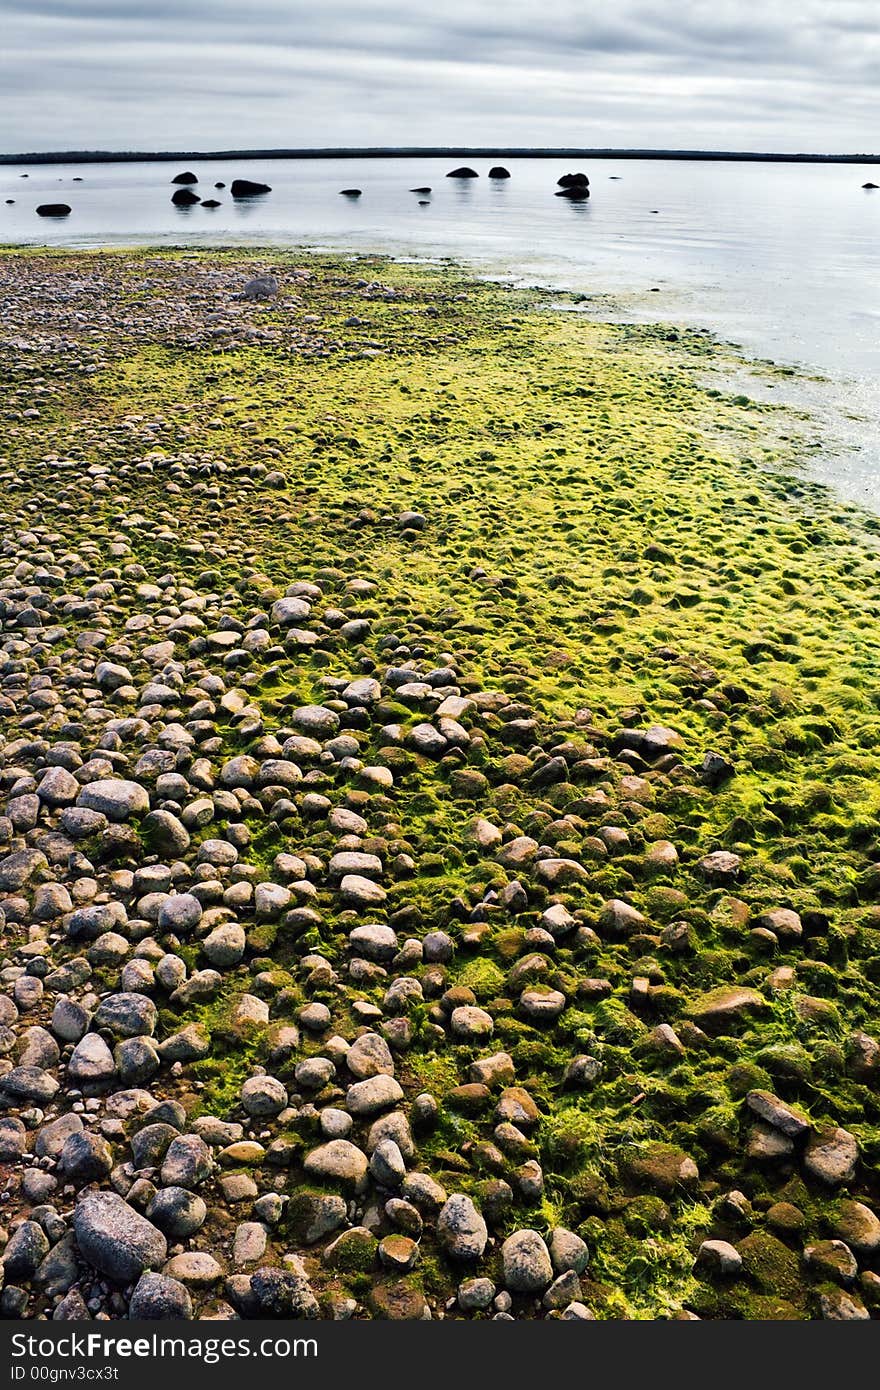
[(603, 533)]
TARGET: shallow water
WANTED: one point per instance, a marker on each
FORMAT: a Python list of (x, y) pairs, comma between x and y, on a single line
[(780, 259)]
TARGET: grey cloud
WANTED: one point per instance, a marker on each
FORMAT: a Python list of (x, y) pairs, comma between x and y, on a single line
[(124, 73)]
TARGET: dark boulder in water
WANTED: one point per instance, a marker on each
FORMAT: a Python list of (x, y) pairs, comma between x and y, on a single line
[(573, 181), (245, 188), (53, 210), (186, 177), (576, 194), (219, 185), (426, 189), (424, 203), (350, 192), (184, 198), (210, 202), (498, 171), (870, 185), (463, 173)]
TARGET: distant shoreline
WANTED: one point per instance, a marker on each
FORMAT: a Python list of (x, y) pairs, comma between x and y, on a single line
[(429, 152)]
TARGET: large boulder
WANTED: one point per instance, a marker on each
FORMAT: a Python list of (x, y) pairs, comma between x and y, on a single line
[(247, 188), (115, 1239), (115, 798)]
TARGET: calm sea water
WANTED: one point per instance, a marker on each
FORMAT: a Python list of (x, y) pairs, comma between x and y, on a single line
[(780, 259)]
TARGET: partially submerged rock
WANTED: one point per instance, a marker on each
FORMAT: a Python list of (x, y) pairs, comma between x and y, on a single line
[(248, 188)]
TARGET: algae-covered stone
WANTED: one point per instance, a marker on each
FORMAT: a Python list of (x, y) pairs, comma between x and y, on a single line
[(354, 1251), (839, 1305), (25, 1250), (831, 1259), (774, 1268), (518, 1107), (663, 1168), (475, 1294), (398, 1252), (726, 1008), (398, 1300), (858, 1225)]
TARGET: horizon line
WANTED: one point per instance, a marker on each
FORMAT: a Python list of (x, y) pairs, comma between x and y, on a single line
[(433, 152)]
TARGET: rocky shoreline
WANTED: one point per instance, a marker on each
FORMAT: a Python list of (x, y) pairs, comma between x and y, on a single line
[(438, 825)]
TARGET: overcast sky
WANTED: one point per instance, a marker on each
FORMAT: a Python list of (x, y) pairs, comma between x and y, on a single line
[(149, 74)]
